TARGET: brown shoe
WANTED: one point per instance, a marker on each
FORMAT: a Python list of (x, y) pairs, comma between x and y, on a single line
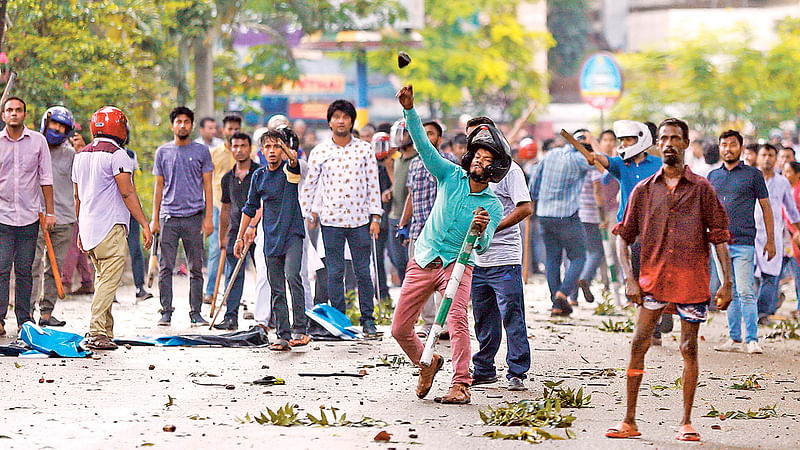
[(100, 342), (426, 375), (457, 395), (85, 289)]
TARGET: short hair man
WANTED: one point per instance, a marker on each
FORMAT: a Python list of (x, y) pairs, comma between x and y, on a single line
[(739, 187), (208, 129), (182, 210), (677, 215), (350, 207), (105, 199), (25, 180)]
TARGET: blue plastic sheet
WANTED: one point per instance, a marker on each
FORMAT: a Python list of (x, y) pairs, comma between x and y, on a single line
[(334, 321), (55, 343)]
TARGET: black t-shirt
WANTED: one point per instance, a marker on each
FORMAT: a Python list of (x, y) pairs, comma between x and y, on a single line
[(234, 191)]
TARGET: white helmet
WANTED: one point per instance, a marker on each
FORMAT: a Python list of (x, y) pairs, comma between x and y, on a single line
[(257, 136), (276, 121), (398, 137), (632, 128)]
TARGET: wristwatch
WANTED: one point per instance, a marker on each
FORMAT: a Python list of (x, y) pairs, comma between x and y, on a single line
[(375, 219)]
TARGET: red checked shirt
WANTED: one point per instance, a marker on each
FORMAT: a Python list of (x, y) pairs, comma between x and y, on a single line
[(675, 227)]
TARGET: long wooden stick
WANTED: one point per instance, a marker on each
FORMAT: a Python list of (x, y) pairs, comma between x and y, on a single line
[(152, 266), (230, 285), (51, 254), (220, 270), (584, 151), (12, 78), (526, 257)]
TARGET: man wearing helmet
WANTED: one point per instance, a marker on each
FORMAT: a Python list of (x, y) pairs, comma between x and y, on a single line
[(57, 125), (105, 199), (462, 190), (401, 141), (25, 178)]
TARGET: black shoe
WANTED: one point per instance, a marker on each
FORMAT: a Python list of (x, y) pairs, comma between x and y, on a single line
[(587, 294), (197, 320), (141, 294), (166, 319), (479, 381), (227, 325), (370, 330), (51, 322)]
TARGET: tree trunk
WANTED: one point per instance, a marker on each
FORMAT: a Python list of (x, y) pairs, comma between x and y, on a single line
[(204, 75)]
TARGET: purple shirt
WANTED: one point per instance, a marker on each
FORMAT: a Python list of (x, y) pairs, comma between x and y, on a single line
[(182, 168), (102, 207), (25, 166)]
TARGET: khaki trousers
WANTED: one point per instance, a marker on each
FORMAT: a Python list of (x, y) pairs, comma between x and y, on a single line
[(108, 259)]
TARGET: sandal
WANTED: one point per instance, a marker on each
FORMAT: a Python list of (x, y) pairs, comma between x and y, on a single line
[(100, 342), (687, 433), (304, 339), (622, 431), (281, 346)]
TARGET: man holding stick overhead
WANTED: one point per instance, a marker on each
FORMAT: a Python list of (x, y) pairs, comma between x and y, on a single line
[(677, 215), (462, 190)]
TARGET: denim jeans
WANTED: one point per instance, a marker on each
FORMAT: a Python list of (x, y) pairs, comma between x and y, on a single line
[(563, 234), (380, 247), (281, 269), (767, 298), (212, 264), (235, 295), (792, 269), (17, 248), (188, 230), (743, 306), (594, 251), (497, 302), (398, 254), (360, 246), (135, 249)]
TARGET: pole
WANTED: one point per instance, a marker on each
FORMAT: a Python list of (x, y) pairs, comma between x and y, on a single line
[(230, 285), (362, 102), (51, 254), (220, 270)]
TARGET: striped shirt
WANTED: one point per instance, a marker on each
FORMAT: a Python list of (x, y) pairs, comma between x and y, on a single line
[(557, 182), (588, 211), (423, 193)]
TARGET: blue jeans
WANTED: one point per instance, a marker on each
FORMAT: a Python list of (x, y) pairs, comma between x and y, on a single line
[(235, 295), (594, 251), (17, 248), (743, 306), (559, 235), (360, 247), (212, 264), (792, 269), (497, 296), (767, 299), (398, 254), (135, 249)]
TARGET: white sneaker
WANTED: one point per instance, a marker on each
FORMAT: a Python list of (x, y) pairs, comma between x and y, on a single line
[(730, 346), (753, 347)]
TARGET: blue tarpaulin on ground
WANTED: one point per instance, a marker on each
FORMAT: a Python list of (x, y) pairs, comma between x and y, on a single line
[(60, 344), (334, 321), (254, 337)]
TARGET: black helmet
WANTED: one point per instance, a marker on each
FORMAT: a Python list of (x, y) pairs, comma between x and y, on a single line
[(289, 137), (490, 138)]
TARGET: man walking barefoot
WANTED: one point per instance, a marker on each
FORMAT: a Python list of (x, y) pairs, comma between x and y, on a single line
[(676, 214)]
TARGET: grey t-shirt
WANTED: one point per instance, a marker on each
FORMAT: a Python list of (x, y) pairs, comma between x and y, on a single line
[(506, 246), (63, 194), (182, 168)]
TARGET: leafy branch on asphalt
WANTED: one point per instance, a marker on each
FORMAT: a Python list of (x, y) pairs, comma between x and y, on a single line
[(765, 412), (288, 415)]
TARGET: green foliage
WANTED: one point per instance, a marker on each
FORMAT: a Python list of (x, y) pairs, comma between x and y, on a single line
[(568, 22), (612, 326), (749, 383), (787, 329), (567, 397), (471, 51), (287, 416), (715, 80), (384, 310), (532, 436), (606, 307), (529, 413), (765, 412)]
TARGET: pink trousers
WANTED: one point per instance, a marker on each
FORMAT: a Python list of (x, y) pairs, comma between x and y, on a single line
[(418, 285)]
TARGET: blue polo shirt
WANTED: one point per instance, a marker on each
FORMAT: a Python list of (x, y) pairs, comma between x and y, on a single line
[(629, 175), (737, 190)]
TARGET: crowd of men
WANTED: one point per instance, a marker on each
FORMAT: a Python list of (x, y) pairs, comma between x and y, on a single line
[(689, 221)]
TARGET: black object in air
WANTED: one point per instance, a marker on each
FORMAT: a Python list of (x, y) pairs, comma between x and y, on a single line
[(403, 59)]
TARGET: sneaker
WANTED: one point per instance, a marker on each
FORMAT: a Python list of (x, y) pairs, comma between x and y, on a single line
[(141, 294), (753, 347), (51, 322), (197, 320), (370, 330), (227, 325), (729, 346), (516, 384), (166, 319), (480, 381)]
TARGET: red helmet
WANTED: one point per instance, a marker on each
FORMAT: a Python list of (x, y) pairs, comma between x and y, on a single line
[(110, 122)]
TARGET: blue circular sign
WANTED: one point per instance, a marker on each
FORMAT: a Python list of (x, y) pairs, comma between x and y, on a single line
[(601, 81)]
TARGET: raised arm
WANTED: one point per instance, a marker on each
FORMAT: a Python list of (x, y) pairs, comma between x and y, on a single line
[(434, 162)]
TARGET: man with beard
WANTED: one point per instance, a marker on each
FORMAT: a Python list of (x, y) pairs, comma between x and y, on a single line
[(461, 192), (677, 215), (182, 209), (738, 187), (343, 171), (783, 205)]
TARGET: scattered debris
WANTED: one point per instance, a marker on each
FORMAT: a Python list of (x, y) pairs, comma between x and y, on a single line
[(531, 413), (612, 326), (382, 436), (787, 329), (170, 401), (269, 380), (17, 365), (568, 398), (202, 374), (286, 416), (229, 387), (360, 374), (393, 361), (169, 428), (532, 436), (765, 412), (749, 383), (151, 367)]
